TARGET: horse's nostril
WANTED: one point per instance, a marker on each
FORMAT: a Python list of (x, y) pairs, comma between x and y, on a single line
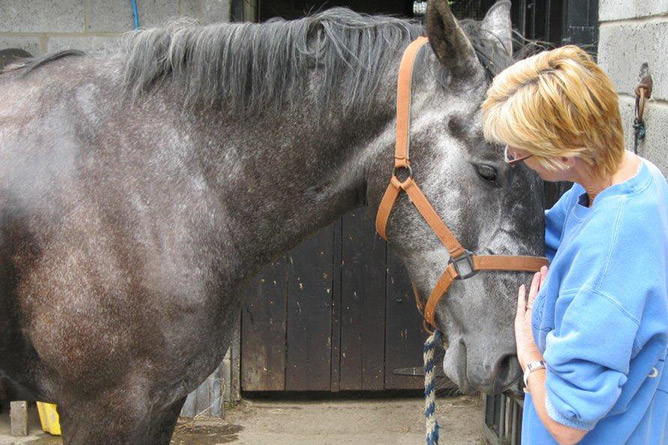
[(507, 371)]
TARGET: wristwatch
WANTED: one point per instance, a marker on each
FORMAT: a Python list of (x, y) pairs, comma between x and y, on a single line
[(531, 367)]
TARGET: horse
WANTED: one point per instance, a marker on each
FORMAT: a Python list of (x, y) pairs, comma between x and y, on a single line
[(143, 187)]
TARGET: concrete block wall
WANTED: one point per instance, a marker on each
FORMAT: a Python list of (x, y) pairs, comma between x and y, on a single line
[(632, 32), (43, 26)]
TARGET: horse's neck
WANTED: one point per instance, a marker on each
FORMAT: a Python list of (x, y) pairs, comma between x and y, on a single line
[(285, 175)]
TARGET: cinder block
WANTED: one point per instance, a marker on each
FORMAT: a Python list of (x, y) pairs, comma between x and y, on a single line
[(215, 11), (30, 44), (191, 8), (18, 414), (116, 15), (89, 43), (41, 16), (626, 9), (624, 47), (655, 145)]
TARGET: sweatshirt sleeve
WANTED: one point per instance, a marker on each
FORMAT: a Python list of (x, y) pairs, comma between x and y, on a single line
[(554, 223), (584, 380)]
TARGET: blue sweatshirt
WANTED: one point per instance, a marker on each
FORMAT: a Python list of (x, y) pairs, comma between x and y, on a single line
[(601, 317)]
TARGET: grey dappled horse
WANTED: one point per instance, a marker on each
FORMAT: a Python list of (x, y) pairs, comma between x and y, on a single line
[(141, 189)]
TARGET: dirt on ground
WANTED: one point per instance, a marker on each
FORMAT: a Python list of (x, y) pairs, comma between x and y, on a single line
[(384, 421), (397, 421)]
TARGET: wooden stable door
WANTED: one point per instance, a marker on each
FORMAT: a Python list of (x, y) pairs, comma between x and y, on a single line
[(335, 314)]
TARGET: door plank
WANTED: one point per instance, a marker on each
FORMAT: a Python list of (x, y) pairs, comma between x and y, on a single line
[(263, 328), (362, 304), (309, 327), (335, 381), (403, 328)]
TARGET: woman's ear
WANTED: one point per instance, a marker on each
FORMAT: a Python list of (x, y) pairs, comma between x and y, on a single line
[(568, 161)]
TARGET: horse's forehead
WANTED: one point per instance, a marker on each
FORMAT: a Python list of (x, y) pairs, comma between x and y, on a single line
[(439, 113), (439, 104), (441, 121)]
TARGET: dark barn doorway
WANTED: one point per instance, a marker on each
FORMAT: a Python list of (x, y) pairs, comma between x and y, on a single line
[(337, 313)]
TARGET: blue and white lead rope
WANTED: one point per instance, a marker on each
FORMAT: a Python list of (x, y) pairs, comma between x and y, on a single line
[(430, 387)]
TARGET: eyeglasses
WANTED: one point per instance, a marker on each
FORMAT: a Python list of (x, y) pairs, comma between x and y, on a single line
[(510, 158)]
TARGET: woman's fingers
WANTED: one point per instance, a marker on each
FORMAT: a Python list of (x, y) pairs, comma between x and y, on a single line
[(537, 281), (521, 300), (535, 285)]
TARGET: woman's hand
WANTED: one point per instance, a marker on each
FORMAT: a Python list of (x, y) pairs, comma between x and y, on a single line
[(527, 351)]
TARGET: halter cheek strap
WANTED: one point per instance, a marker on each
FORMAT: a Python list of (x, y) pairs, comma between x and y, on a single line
[(463, 264)]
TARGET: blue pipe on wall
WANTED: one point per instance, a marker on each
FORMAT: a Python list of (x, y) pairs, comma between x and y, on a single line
[(135, 13)]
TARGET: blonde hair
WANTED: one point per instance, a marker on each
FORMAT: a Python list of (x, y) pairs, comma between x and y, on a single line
[(557, 103)]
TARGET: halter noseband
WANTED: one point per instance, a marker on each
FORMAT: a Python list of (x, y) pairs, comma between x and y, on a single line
[(463, 263)]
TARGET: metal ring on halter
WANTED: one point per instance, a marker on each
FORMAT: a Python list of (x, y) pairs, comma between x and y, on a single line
[(404, 167)]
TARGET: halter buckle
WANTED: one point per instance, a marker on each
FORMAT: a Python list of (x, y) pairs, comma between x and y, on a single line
[(467, 270)]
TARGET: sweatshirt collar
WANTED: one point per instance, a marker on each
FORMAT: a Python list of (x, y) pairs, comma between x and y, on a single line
[(637, 182)]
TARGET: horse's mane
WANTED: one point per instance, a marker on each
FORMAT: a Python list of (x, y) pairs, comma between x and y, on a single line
[(247, 67)]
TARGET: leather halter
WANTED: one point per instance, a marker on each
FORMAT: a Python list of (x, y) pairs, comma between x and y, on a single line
[(463, 263)]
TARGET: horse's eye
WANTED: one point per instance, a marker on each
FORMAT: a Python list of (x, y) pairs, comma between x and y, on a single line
[(487, 173)]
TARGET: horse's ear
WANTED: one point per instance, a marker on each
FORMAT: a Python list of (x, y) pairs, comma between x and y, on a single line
[(497, 22), (448, 41)]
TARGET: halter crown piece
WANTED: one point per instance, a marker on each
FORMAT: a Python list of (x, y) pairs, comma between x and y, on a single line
[(463, 263)]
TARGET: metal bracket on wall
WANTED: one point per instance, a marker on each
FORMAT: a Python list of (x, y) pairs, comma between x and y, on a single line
[(643, 92)]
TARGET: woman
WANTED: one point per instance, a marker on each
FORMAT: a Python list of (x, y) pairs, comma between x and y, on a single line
[(593, 336)]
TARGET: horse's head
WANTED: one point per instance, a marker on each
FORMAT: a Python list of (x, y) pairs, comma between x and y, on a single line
[(489, 206)]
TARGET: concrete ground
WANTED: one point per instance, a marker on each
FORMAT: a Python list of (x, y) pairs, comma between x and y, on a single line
[(396, 421)]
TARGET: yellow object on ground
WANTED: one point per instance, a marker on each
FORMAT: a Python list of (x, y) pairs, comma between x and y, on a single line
[(48, 416)]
